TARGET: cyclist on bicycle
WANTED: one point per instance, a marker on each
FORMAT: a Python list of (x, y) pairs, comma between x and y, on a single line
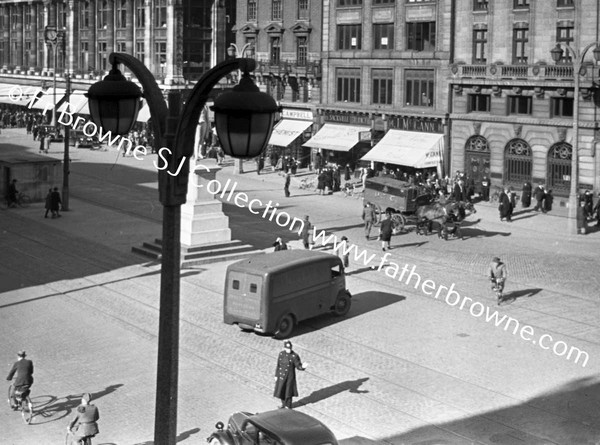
[(497, 274), (22, 370), (84, 424), (12, 193)]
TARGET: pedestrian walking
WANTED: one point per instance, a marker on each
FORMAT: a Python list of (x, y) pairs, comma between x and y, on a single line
[(48, 202), (55, 203), (539, 196), (285, 375), (286, 185), (369, 217), (307, 234), (13, 193), (505, 206), (343, 251), (497, 275), (526, 195), (548, 199), (385, 232)]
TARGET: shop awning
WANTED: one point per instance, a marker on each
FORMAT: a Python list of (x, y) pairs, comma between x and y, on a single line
[(46, 102), (144, 113), (336, 137), (409, 148), (287, 130), (77, 102), (14, 94)]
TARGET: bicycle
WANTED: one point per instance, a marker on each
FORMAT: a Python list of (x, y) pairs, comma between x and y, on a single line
[(307, 184), (70, 439), (23, 200), (23, 400), (498, 287)]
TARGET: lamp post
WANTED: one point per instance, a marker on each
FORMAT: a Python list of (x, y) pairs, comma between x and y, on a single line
[(234, 51), (557, 54), (244, 120)]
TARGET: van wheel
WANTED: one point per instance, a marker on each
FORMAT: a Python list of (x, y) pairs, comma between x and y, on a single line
[(342, 304), (285, 326)]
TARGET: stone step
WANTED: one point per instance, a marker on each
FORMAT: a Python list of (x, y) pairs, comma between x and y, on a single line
[(219, 258)]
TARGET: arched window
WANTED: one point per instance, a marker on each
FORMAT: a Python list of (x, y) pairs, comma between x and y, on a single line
[(558, 177), (518, 163), (477, 159)]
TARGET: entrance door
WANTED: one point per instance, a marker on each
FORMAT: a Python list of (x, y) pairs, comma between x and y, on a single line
[(477, 160)]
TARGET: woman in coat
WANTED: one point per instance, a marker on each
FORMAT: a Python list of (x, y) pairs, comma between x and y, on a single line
[(385, 231), (505, 207)]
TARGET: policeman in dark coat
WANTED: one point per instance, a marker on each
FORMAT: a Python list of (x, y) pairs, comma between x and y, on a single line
[(285, 375), (526, 194)]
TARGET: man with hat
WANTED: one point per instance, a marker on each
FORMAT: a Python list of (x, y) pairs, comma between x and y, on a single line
[(285, 375), (84, 424), (497, 275), (22, 370)]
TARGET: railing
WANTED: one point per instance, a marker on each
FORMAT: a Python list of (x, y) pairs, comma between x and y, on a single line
[(289, 67), (534, 72)]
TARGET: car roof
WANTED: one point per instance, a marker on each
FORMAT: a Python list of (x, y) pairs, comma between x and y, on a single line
[(283, 259), (293, 427)]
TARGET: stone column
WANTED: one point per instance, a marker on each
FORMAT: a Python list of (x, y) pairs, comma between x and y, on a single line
[(71, 30), (19, 35), (148, 50), (110, 30), (202, 217), (174, 74), (46, 62), (33, 61), (130, 44)]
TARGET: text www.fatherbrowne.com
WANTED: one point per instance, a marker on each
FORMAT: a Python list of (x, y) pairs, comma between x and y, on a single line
[(408, 275)]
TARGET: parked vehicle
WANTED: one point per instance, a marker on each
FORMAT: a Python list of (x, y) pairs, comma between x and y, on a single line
[(52, 132), (272, 292), (278, 427)]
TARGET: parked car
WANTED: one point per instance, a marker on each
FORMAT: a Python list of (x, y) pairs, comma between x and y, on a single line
[(81, 140), (278, 427), (270, 293)]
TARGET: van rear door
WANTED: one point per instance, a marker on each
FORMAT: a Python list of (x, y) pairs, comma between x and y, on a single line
[(243, 297)]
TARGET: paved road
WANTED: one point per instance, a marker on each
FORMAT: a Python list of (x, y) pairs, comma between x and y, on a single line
[(402, 368)]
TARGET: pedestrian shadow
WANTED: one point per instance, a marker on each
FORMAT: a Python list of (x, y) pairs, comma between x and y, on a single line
[(523, 217), (514, 295), (357, 271), (410, 245), (55, 408), (325, 393), (473, 232), (180, 437)]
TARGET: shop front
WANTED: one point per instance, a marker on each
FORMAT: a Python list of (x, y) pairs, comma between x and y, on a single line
[(288, 137)]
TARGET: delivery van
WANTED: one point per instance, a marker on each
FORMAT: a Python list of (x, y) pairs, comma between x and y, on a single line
[(270, 293)]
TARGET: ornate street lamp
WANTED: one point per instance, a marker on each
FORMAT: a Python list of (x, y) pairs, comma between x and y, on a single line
[(114, 104), (557, 53)]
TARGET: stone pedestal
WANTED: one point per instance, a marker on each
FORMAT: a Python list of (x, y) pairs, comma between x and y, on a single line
[(202, 217)]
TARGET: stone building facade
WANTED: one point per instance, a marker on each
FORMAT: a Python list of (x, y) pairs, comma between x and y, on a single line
[(511, 106)]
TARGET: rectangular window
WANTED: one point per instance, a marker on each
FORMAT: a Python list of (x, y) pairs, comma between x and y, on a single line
[(160, 56), (384, 2), (562, 107), (140, 14), (140, 52), (520, 4), (103, 16), (15, 17), (348, 84), (252, 10), (383, 36), (420, 36), (160, 13), (84, 64), (480, 5), (349, 36), (519, 104), (275, 50), (560, 3), (479, 103), (520, 45), (301, 50), (102, 56), (61, 15), (349, 2), (419, 88), (564, 34), (302, 9), (382, 86), (253, 287), (480, 46), (235, 284), (121, 47), (276, 10), (122, 14), (28, 17), (84, 15)]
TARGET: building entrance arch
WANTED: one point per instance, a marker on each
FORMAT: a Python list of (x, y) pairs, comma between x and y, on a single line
[(558, 174), (518, 163), (477, 160)]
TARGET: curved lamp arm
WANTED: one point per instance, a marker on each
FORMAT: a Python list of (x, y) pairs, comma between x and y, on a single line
[(152, 93), (188, 121)]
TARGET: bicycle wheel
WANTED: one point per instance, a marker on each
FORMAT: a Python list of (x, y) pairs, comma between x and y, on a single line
[(27, 410), (24, 200), (9, 401)]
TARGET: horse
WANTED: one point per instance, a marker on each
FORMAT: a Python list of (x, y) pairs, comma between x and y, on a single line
[(429, 213)]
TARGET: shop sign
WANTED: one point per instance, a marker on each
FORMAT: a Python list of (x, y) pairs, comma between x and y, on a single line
[(364, 135), (306, 115), (347, 118), (416, 123)]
